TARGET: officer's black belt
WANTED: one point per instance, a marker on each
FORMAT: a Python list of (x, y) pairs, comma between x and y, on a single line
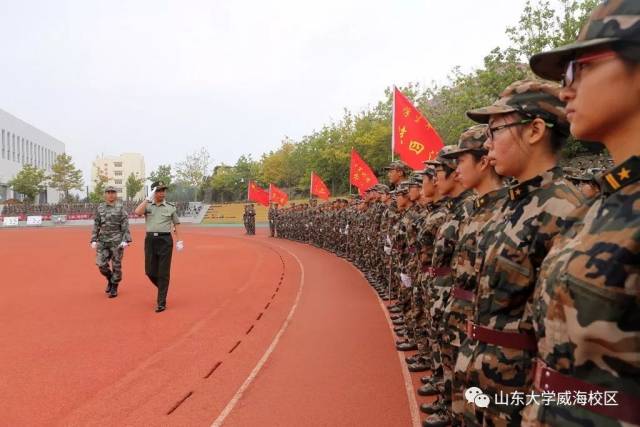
[(158, 234)]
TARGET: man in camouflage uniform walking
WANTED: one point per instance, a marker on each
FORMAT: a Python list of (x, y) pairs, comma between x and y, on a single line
[(109, 238)]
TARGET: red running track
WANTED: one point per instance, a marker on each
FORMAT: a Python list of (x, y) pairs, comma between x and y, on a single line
[(257, 331)]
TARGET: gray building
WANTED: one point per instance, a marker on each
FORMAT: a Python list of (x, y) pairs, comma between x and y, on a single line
[(22, 144)]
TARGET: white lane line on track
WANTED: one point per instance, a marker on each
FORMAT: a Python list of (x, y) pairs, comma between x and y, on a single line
[(252, 376)]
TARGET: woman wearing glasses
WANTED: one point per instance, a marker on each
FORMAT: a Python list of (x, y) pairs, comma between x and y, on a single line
[(586, 307), (526, 128)]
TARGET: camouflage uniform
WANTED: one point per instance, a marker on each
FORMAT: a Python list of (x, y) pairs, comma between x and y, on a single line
[(511, 251), (110, 229), (586, 307), (460, 306), (272, 215)]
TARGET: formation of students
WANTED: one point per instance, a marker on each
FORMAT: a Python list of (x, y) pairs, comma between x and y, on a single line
[(519, 293)]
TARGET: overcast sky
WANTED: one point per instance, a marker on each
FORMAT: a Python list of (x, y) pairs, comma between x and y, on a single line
[(164, 78)]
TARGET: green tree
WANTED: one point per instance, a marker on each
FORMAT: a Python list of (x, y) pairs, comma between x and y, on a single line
[(97, 195), (162, 173), (65, 176), (29, 182), (133, 185)]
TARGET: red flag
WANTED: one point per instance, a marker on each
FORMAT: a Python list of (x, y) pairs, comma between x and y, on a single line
[(361, 174), (414, 139), (257, 194), (278, 196), (318, 187)]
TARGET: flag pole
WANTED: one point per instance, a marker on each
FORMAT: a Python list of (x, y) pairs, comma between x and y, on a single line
[(350, 163), (311, 186), (393, 121), (248, 186)]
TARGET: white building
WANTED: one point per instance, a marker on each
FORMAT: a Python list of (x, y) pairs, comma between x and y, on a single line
[(117, 169), (23, 144)]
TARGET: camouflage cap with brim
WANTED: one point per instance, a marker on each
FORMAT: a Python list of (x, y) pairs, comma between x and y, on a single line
[(472, 139), (442, 160), (611, 23), (110, 189), (531, 98), (398, 165), (380, 188), (416, 179)]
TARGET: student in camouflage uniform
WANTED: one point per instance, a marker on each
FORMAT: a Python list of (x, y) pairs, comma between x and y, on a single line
[(249, 217), (587, 303), (109, 238), (526, 128), (459, 205), (272, 215)]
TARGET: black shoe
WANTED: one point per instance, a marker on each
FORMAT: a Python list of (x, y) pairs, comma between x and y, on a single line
[(108, 288), (407, 346), (399, 328), (160, 308), (440, 419), (412, 359), (398, 322), (418, 367), (432, 408), (396, 316), (429, 390), (113, 292), (395, 310), (427, 379)]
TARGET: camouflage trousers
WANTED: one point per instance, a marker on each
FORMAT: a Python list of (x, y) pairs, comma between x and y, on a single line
[(456, 315), (422, 320), (495, 369), (110, 253), (438, 297)]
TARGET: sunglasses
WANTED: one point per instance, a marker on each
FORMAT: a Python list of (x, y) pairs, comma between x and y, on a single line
[(573, 67)]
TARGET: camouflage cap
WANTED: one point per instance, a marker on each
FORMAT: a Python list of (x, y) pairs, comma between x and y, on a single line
[(398, 165), (403, 187), (441, 160), (427, 171), (472, 139), (380, 188), (110, 189), (612, 22), (416, 179), (531, 98)]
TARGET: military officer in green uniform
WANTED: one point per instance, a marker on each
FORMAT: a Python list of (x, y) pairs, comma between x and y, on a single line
[(109, 238), (161, 219)]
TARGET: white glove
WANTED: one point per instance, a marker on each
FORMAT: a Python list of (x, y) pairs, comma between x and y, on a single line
[(388, 241), (151, 195), (406, 280), (124, 245), (94, 245), (387, 250), (179, 245)]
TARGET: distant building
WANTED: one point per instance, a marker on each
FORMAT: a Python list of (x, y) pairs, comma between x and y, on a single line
[(22, 144), (117, 169)]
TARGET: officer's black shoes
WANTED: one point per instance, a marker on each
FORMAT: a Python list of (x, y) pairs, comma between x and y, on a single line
[(108, 288), (428, 390), (398, 322), (426, 379), (395, 309), (160, 308), (440, 419), (407, 346), (113, 292), (432, 408)]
